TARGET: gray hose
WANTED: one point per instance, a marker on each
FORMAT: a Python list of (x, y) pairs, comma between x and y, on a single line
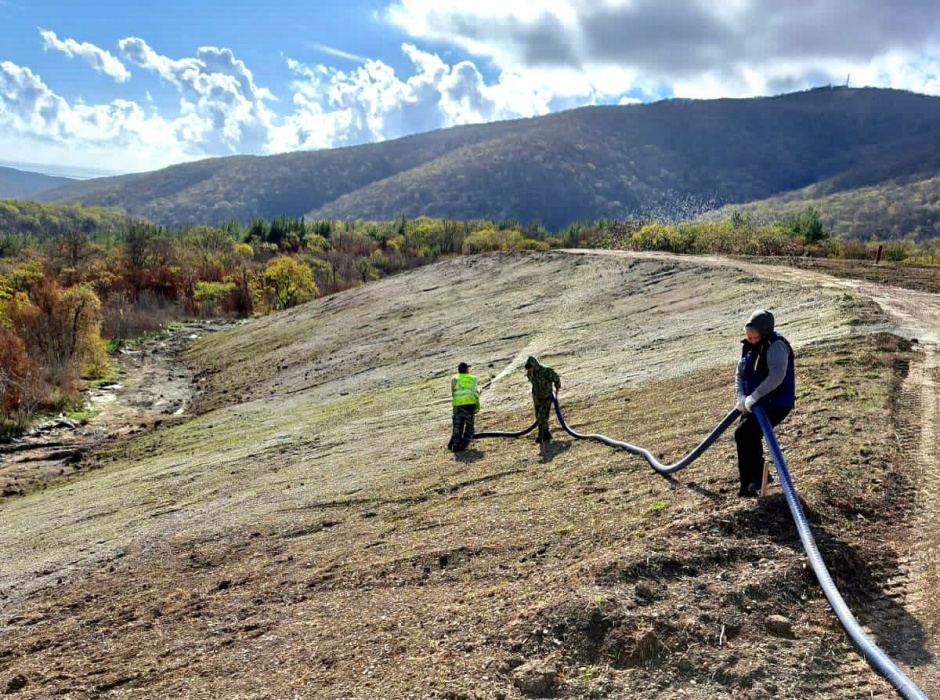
[(875, 656), (646, 454)]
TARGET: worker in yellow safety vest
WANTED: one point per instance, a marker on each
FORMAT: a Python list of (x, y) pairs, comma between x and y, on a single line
[(465, 391)]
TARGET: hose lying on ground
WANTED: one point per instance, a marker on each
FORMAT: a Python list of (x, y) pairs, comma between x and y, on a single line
[(646, 454), (875, 656), (496, 433)]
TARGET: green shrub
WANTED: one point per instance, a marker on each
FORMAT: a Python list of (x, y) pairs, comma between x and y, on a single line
[(898, 251), (209, 295), (489, 239), (808, 226)]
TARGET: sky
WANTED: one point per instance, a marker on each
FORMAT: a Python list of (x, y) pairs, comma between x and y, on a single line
[(112, 87)]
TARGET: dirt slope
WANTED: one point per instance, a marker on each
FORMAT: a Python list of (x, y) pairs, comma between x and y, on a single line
[(912, 312), (309, 536)]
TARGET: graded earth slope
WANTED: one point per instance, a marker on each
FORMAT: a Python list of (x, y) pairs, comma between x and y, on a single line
[(309, 536)]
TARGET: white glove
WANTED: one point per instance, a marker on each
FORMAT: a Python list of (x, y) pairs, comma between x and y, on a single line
[(740, 405), (749, 403)]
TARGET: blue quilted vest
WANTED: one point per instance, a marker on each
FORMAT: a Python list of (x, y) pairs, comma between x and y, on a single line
[(753, 370)]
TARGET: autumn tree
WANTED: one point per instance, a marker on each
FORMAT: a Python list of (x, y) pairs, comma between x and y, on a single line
[(61, 330), (288, 282), (209, 245), (20, 385), (365, 270), (139, 242)]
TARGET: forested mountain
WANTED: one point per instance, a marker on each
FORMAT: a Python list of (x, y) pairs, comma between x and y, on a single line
[(51, 220), (245, 187), (901, 208), (672, 159), (893, 193), (18, 184)]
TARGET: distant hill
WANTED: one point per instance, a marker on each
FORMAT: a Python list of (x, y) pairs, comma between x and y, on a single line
[(673, 159), (888, 210), (47, 220), (894, 193), (18, 184)]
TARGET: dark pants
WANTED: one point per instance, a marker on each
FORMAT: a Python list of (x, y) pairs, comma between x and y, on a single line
[(543, 409), (748, 437), (462, 432)]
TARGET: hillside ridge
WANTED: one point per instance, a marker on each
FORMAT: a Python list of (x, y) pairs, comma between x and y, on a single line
[(20, 184), (671, 159)]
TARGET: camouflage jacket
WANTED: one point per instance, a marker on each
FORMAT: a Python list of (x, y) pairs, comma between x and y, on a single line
[(542, 380)]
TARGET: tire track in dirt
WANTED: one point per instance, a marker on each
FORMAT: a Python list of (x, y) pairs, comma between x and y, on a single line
[(916, 647), (919, 571), (914, 315)]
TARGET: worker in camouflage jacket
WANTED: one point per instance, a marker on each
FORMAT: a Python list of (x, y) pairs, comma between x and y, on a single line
[(542, 379)]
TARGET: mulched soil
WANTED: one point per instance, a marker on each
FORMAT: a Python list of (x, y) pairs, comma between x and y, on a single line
[(573, 571)]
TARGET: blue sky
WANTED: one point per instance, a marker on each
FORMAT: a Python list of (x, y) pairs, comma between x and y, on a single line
[(123, 87), (255, 34)]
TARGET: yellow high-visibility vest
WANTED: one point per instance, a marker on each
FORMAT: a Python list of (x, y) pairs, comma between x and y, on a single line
[(466, 392)]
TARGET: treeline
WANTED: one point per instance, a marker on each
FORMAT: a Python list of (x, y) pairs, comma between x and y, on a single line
[(66, 294), (28, 224), (803, 234), (893, 210)]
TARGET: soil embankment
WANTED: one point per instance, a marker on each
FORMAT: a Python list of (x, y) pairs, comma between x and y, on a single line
[(310, 520)]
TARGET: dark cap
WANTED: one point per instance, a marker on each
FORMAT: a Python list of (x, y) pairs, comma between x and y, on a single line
[(463, 368), (761, 321)]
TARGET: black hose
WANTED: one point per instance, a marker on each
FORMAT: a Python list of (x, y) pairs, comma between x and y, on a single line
[(876, 657), (496, 433)]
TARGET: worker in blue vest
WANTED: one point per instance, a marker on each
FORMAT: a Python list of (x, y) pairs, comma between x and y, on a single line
[(764, 378), (465, 391)]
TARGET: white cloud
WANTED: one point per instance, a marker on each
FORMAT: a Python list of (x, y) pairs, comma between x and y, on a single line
[(225, 108), (222, 110), (372, 103), (27, 104), (99, 59), (37, 124), (548, 55), (695, 48)]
